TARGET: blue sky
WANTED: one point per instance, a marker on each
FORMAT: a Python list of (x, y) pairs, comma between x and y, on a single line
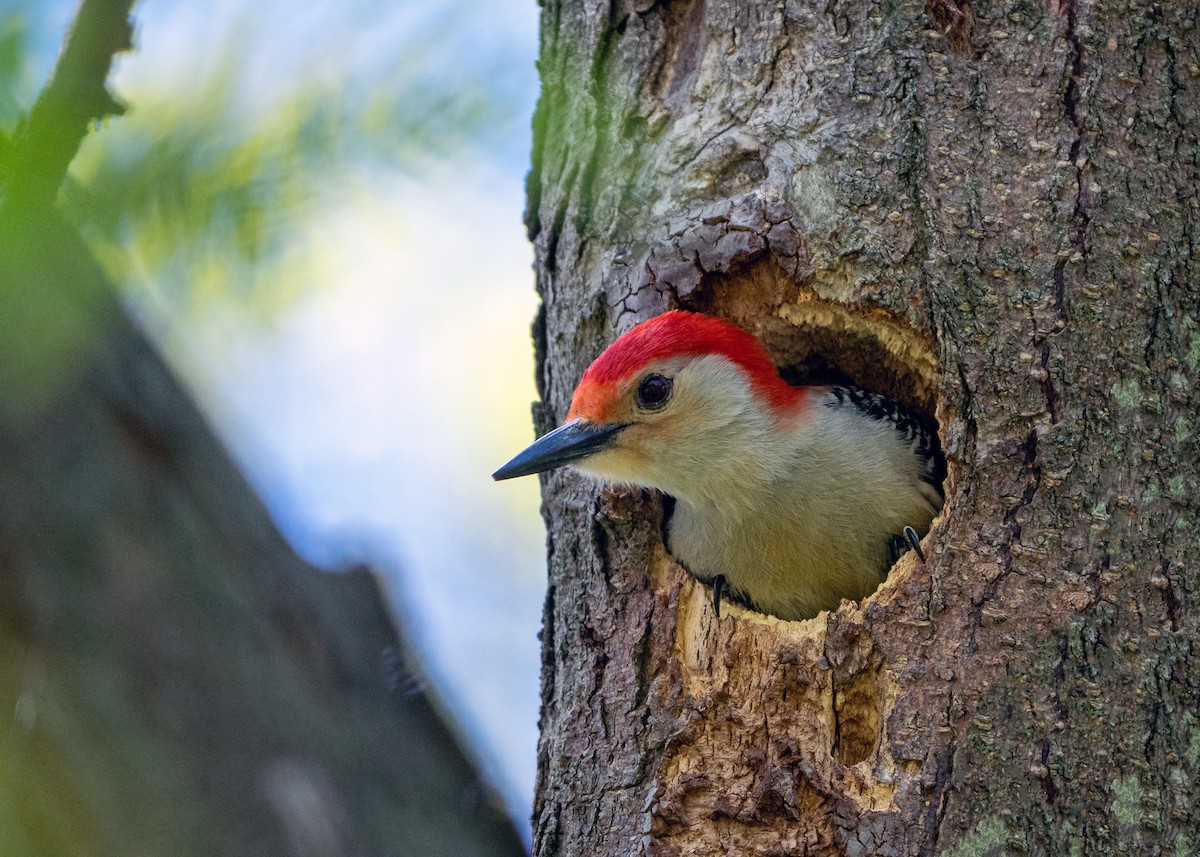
[(370, 410)]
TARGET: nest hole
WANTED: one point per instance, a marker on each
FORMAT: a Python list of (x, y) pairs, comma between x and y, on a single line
[(814, 341), (828, 344)]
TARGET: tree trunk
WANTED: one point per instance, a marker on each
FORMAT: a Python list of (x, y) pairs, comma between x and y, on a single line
[(988, 211)]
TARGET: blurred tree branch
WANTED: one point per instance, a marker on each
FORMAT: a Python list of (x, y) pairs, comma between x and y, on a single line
[(180, 682), (76, 95)]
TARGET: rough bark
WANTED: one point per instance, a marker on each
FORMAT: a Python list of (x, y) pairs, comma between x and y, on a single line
[(173, 678), (989, 211)]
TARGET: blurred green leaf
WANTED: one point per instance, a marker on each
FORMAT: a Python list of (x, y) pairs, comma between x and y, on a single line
[(192, 196), (210, 187), (12, 52)]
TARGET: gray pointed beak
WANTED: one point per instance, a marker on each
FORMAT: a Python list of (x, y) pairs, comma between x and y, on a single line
[(567, 443)]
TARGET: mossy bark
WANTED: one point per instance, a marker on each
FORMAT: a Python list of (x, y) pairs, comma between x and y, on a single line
[(989, 211)]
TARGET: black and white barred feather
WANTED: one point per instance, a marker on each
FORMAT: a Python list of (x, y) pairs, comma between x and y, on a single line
[(920, 437)]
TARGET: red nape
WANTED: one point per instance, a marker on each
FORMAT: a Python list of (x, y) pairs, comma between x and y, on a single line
[(679, 333)]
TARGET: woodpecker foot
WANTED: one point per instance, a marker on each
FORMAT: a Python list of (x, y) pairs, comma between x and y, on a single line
[(718, 585), (910, 536)]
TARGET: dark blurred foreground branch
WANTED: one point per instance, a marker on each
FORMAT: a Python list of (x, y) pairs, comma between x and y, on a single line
[(182, 682), (173, 678)]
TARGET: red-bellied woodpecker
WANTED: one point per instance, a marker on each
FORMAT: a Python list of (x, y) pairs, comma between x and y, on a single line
[(792, 498)]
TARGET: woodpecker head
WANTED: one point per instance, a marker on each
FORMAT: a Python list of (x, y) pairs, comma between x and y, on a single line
[(679, 403)]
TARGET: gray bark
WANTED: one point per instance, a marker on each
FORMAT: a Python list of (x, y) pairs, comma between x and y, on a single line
[(989, 211)]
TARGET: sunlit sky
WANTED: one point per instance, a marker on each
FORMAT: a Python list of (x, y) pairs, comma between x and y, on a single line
[(370, 411), (371, 418)]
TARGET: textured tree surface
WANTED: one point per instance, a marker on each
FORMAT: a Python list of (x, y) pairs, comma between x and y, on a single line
[(174, 680), (989, 211)]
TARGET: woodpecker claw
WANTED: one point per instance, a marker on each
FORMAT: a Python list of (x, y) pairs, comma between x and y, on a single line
[(910, 536), (718, 584)]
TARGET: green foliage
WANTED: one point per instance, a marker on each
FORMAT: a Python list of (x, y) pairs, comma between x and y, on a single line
[(12, 52), (212, 185), (196, 196), (54, 306)]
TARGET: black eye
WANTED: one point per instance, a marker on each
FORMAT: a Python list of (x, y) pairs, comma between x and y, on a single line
[(653, 391)]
